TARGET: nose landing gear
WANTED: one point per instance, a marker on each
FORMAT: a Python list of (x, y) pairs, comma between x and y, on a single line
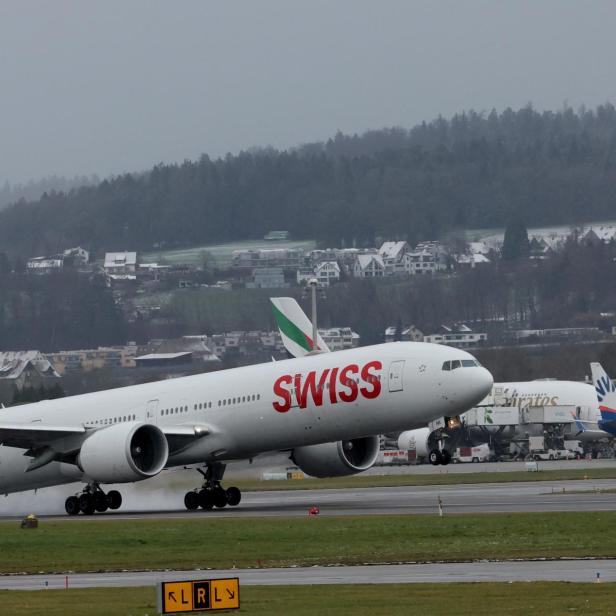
[(93, 499), (439, 456), (212, 494)]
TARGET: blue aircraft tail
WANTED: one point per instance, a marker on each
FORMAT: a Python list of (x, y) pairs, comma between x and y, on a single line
[(606, 395)]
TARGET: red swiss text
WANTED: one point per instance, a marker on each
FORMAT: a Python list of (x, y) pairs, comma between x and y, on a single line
[(330, 385)]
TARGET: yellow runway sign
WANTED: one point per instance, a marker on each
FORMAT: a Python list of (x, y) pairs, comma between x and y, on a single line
[(198, 595)]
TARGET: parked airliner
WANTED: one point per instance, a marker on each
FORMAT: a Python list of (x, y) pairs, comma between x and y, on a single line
[(324, 409), (577, 401)]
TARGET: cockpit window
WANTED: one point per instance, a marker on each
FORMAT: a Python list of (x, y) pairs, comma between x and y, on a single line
[(457, 363)]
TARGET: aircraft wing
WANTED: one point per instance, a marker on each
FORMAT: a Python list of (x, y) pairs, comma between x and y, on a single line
[(35, 435), (295, 327), (181, 436)]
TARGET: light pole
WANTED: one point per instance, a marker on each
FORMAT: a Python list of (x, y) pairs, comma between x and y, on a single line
[(312, 286)]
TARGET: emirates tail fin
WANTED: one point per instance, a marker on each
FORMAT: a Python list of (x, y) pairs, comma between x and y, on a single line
[(295, 327)]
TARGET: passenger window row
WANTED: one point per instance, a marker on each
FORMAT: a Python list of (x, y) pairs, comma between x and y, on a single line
[(113, 420), (174, 411), (239, 400)]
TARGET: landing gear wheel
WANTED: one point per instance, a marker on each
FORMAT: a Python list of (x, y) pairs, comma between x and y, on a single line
[(219, 497), (445, 457), (435, 457), (72, 505), (100, 502), (234, 496), (86, 504), (114, 499), (206, 499), (191, 501)]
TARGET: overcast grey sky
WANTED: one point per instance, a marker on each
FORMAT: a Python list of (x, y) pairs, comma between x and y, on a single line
[(119, 85)]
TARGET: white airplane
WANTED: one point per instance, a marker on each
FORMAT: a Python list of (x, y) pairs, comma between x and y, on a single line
[(605, 391), (585, 421), (326, 409)]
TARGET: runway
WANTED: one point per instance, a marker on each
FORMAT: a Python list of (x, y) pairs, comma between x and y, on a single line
[(408, 500), (519, 571)]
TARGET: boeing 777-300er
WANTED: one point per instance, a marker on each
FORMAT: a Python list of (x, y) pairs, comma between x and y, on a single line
[(325, 409)]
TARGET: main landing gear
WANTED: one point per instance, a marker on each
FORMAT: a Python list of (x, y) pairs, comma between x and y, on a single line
[(439, 456), (212, 494), (93, 499)]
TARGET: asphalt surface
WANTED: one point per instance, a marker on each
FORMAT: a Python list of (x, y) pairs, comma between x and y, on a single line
[(519, 571), (470, 498)]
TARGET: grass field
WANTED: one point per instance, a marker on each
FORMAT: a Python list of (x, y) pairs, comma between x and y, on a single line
[(414, 479), (481, 599), (220, 254), (200, 542)]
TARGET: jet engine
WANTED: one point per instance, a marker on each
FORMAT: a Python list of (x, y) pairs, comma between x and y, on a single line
[(337, 459), (124, 452), (415, 439)]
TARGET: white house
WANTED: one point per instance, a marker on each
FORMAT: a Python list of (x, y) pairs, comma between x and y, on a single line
[(369, 266), (327, 272), (80, 256), (339, 338), (120, 262), (303, 275), (392, 254), (44, 265), (409, 333), (420, 262), (21, 368), (471, 261), (457, 335)]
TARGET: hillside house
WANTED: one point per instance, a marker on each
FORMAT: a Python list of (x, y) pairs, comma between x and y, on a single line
[(368, 266), (392, 254)]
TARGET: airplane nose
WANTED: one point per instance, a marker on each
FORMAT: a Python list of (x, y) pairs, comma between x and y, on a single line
[(475, 388), (485, 381)]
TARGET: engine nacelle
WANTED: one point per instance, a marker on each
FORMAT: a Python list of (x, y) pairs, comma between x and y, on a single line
[(337, 459), (417, 440), (124, 452)]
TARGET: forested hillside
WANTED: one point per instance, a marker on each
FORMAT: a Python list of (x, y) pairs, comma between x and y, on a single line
[(474, 170)]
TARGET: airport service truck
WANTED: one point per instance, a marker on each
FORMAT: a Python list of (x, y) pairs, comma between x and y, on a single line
[(479, 453), (538, 450), (573, 450)]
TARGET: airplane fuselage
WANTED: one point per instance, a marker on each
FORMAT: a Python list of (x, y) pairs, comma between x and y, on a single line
[(251, 410)]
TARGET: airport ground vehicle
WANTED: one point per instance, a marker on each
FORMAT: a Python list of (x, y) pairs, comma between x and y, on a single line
[(478, 453)]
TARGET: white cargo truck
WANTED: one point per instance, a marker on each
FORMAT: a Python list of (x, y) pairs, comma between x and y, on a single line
[(480, 453), (538, 451)]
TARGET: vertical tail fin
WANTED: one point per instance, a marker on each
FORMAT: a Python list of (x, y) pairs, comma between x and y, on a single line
[(606, 392), (295, 327)]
